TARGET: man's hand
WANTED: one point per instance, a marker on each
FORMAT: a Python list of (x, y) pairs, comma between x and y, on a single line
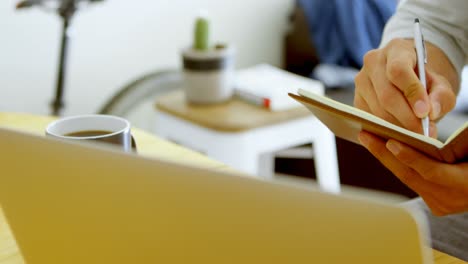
[(444, 187), (388, 86)]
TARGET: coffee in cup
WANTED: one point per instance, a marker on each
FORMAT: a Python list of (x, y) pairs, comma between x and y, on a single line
[(103, 128)]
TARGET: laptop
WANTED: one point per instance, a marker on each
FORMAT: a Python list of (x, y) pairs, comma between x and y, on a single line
[(70, 203)]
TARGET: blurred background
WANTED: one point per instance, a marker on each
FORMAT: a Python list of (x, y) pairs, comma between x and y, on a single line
[(114, 41)]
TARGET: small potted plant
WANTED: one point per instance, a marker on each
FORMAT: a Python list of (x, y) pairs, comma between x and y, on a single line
[(208, 69)]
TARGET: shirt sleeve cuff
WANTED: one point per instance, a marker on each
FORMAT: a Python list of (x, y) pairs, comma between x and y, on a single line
[(396, 29)]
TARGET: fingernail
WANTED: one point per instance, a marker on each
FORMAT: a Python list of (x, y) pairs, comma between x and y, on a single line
[(421, 109), (364, 139), (435, 110), (394, 147)]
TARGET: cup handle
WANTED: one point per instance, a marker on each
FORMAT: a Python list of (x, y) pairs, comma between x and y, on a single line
[(134, 146)]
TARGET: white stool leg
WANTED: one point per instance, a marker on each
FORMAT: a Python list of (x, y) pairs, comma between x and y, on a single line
[(326, 162), (266, 165)]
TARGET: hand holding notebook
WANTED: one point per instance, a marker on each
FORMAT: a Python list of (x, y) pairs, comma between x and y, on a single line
[(346, 122)]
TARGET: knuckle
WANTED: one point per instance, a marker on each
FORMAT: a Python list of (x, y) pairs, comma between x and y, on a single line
[(377, 151), (370, 57), (405, 158), (430, 173), (412, 90), (395, 69), (359, 79), (386, 96)]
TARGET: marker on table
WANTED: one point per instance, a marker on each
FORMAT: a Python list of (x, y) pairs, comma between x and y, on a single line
[(254, 98), (421, 60)]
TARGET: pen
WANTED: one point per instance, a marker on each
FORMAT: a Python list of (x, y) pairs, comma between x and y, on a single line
[(253, 98), (421, 60)]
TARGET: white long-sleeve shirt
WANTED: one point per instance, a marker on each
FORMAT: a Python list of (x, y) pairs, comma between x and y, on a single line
[(444, 23)]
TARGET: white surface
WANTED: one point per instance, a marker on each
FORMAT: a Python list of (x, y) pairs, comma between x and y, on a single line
[(270, 82), (462, 99), (252, 151), (116, 41)]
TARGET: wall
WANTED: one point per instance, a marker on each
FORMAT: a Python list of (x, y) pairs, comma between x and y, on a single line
[(117, 40)]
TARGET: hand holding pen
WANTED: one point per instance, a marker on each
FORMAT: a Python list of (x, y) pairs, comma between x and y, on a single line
[(389, 87), (421, 55)]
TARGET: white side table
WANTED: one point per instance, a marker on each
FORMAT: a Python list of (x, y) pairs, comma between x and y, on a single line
[(245, 136)]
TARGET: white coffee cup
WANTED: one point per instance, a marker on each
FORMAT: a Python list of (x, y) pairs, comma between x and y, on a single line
[(104, 128)]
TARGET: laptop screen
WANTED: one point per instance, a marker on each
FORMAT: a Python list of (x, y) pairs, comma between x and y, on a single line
[(69, 203)]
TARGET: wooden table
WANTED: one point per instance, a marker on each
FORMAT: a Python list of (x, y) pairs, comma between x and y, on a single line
[(148, 145)]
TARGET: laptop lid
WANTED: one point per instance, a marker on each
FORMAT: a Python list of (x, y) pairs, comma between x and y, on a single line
[(69, 203)]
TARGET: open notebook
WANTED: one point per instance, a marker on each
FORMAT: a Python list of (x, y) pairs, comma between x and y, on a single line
[(346, 122), (69, 203)]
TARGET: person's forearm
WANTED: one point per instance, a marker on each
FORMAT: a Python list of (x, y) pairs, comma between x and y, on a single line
[(443, 24)]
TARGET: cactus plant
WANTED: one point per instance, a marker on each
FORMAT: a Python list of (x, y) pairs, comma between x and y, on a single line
[(201, 34)]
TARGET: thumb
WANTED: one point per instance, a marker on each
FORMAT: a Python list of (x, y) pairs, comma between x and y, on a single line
[(441, 96)]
